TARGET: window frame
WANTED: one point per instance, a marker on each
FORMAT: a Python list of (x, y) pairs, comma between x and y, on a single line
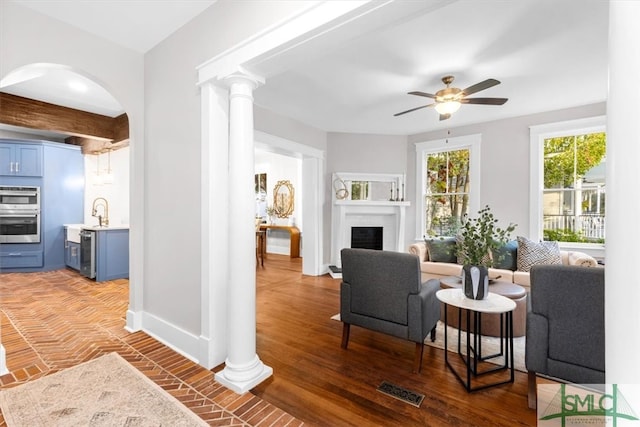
[(537, 135), (470, 142)]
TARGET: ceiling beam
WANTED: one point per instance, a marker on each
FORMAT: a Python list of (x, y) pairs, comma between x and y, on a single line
[(33, 114)]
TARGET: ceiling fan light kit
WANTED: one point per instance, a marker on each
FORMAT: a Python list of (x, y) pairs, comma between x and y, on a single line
[(447, 107), (449, 99)]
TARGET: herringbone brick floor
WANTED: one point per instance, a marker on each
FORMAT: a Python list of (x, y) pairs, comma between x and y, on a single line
[(54, 320)]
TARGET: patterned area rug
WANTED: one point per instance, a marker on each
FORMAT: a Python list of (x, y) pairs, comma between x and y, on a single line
[(490, 345), (106, 391)]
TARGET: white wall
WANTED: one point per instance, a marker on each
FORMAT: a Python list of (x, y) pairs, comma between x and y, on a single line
[(287, 128), (27, 37), (504, 158), (281, 168), (172, 108), (116, 193), (364, 153)]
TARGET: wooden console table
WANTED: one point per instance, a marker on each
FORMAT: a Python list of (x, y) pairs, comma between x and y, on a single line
[(294, 232)]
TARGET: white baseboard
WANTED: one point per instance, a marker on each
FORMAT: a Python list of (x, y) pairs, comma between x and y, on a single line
[(134, 321), (279, 250), (174, 337)]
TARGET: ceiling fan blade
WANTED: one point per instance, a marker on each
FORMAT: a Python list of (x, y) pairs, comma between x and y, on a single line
[(480, 86), (444, 116), (486, 101), (413, 109), (428, 95)]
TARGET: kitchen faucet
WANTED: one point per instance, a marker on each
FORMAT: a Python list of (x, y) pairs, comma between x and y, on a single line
[(103, 220)]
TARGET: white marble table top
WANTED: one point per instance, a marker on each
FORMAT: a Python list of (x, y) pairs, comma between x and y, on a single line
[(494, 303)]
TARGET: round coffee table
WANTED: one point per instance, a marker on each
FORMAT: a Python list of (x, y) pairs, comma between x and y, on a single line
[(490, 324), (494, 304)]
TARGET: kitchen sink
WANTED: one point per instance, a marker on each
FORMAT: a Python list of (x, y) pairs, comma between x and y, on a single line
[(73, 233)]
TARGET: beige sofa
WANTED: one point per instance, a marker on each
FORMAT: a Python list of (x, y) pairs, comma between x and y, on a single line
[(436, 270)]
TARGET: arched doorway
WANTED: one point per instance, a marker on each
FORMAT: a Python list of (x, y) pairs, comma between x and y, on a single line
[(74, 108)]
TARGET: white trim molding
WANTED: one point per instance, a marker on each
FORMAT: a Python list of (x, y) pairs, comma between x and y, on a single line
[(537, 135), (179, 340), (471, 142)]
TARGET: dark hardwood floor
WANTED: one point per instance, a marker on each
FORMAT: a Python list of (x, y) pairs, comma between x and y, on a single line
[(59, 319), (318, 382)]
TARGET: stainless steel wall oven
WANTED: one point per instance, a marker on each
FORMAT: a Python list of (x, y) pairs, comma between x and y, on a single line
[(19, 214)]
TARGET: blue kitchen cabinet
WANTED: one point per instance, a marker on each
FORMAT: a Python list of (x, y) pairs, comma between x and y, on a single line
[(19, 258), (62, 201), (72, 255), (20, 159), (58, 169), (112, 254)]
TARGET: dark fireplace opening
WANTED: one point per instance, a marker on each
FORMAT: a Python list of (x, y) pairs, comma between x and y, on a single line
[(366, 237)]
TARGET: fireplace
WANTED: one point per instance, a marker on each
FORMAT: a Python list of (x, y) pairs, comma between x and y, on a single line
[(366, 237), (388, 217), (368, 210)]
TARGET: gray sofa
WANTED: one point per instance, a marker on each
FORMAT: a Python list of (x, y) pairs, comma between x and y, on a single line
[(383, 291), (565, 325)]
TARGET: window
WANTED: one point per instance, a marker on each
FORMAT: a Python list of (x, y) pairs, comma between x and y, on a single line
[(568, 169), (448, 171)]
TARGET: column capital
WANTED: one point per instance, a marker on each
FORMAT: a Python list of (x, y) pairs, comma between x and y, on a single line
[(238, 75), (243, 76)]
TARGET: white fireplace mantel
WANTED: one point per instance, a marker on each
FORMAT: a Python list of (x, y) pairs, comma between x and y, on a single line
[(367, 213)]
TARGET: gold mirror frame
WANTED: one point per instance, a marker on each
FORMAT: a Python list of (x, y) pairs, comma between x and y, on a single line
[(283, 199)]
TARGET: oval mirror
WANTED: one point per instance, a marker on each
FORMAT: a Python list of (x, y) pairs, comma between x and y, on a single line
[(283, 199)]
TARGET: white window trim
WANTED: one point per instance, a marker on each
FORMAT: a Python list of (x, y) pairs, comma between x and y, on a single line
[(471, 142), (537, 135)]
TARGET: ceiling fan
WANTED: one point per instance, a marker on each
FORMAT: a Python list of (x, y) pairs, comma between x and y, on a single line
[(449, 99)]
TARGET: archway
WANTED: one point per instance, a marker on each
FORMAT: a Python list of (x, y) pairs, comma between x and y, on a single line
[(75, 108)]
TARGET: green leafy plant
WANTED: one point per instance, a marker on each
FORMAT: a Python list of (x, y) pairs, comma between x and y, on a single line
[(480, 237), (567, 235)]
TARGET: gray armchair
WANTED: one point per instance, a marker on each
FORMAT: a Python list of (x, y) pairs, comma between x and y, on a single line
[(382, 291), (565, 325)]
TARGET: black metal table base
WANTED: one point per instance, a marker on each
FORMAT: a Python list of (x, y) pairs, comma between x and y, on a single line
[(474, 352)]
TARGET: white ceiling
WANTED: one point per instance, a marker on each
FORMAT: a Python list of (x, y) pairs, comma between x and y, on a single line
[(135, 24), (548, 54)]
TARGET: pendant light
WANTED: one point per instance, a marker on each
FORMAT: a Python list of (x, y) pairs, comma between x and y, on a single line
[(97, 178), (108, 176)]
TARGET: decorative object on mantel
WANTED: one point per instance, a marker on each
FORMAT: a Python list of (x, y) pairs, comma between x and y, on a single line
[(369, 187), (283, 199), (478, 240), (340, 188)]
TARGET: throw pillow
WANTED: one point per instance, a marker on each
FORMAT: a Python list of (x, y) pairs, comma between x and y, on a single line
[(441, 249), (532, 253), (506, 256)]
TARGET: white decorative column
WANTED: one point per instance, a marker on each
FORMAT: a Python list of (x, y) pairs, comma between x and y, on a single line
[(243, 368), (622, 293)]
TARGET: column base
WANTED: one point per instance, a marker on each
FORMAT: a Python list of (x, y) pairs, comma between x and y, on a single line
[(241, 379)]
